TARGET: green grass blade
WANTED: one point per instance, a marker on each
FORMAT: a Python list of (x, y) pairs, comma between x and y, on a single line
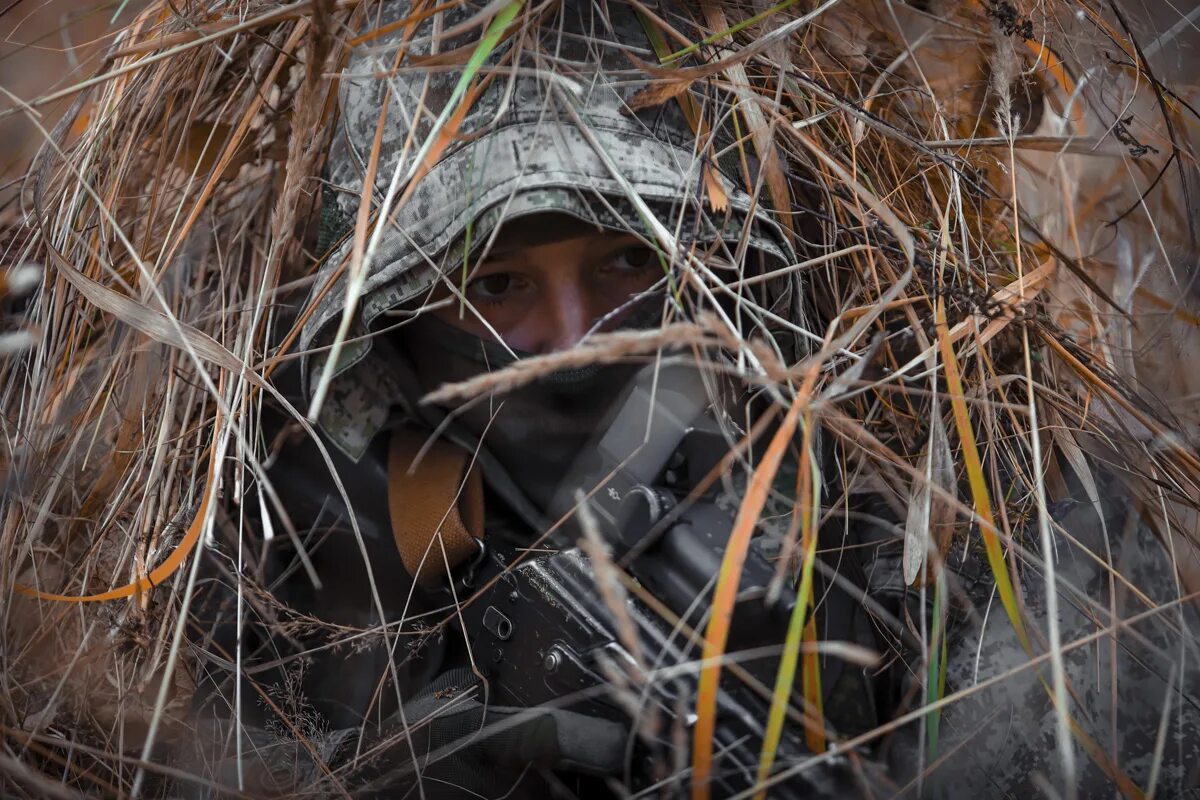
[(809, 500)]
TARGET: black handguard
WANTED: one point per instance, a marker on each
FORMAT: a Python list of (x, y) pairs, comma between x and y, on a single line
[(544, 634)]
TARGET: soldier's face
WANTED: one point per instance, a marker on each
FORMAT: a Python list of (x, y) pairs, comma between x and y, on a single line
[(547, 280)]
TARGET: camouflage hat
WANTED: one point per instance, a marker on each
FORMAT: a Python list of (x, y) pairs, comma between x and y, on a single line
[(548, 127)]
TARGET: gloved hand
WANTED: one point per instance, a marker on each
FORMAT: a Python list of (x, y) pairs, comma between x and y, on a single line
[(464, 746)]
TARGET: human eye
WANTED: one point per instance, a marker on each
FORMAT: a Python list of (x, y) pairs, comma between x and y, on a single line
[(634, 261), (493, 288)]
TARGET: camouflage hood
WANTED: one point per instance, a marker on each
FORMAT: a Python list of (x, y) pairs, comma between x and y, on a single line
[(548, 125)]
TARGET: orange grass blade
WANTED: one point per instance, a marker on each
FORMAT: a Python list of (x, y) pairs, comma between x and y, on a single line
[(411, 21), (717, 633), (814, 731), (810, 678), (1058, 71)]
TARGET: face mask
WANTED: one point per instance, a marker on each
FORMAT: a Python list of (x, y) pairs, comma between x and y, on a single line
[(534, 432)]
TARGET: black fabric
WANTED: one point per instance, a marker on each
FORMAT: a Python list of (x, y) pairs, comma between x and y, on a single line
[(535, 432)]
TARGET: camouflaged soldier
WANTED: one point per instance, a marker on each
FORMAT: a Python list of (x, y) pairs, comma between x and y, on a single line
[(530, 231), (554, 213)]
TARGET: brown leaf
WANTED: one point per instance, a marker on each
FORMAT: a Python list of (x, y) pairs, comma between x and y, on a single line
[(718, 199), (656, 94)]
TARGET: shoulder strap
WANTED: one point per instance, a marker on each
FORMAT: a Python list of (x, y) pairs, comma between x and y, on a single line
[(436, 508)]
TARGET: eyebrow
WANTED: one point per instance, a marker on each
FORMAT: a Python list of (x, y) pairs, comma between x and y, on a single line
[(506, 249)]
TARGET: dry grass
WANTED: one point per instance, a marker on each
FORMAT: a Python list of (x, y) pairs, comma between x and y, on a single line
[(1010, 191)]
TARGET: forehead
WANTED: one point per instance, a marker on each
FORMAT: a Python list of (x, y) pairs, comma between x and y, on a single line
[(533, 230)]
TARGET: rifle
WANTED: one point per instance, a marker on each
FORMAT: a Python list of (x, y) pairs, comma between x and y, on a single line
[(544, 633)]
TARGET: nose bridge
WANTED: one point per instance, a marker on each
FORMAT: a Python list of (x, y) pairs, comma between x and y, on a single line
[(570, 310), (567, 300)]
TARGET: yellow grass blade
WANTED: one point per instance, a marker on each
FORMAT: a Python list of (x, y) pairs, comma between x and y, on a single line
[(730, 31), (979, 491)]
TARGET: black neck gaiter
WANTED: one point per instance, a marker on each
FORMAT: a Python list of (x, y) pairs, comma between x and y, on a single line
[(535, 432)]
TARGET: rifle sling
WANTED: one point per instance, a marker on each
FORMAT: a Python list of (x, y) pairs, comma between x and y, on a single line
[(436, 507)]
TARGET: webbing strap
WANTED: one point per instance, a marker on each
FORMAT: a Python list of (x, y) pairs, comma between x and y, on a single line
[(436, 507)]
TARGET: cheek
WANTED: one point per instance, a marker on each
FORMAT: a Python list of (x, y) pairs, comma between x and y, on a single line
[(607, 291), (507, 318)]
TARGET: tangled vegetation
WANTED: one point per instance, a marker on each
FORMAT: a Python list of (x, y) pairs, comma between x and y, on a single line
[(1004, 291)]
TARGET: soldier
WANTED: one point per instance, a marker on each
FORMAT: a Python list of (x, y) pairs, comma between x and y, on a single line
[(554, 213), (546, 214)]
